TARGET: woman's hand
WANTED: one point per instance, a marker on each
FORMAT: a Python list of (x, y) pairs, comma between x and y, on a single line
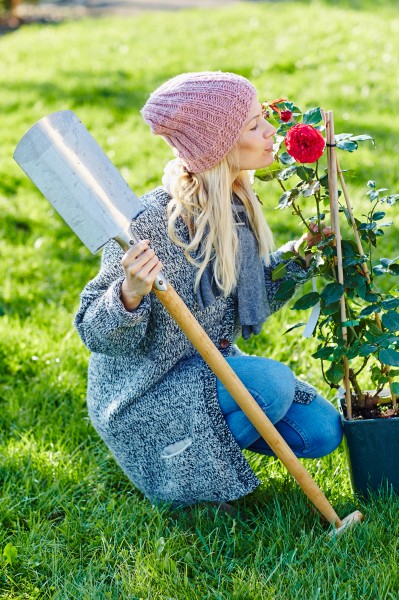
[(311, 238), (141, 267)]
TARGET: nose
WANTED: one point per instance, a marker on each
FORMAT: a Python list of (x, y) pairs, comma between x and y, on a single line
[(269, 130)]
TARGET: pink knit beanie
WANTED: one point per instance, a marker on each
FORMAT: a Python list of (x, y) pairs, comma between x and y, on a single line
[(201, 115)]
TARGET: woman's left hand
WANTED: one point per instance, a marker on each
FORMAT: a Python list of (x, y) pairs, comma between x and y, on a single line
[(311, 238)]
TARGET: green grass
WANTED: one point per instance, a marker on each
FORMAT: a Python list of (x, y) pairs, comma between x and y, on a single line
[(80, 529)]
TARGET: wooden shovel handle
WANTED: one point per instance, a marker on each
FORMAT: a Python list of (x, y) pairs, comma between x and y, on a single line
[(215, 360)]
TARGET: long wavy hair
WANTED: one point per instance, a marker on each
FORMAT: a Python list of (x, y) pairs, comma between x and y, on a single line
[(204, 202)]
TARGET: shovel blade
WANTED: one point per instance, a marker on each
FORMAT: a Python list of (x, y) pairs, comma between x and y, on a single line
[(75, 175)]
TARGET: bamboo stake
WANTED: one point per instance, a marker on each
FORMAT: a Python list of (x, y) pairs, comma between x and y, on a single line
[(364, 267), (334, 208)]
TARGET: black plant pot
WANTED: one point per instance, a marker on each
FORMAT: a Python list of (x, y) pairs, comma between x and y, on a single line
[(372, 447)]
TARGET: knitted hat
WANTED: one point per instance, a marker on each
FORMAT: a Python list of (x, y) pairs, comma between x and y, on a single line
[(201, 115)]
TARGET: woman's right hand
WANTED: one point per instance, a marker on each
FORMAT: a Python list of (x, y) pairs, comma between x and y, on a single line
[(141, 266)]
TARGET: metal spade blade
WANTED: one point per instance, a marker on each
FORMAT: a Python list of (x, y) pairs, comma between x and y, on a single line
[(75, 175)]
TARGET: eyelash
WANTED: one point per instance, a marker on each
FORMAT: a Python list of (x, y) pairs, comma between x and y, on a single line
[(253, 128)]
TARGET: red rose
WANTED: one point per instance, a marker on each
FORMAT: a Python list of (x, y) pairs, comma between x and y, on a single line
[(304, 143)]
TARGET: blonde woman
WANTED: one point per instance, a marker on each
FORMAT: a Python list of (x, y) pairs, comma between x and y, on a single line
[(171, 425)]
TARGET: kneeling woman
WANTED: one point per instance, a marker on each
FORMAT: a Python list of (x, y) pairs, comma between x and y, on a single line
[(171, 425)]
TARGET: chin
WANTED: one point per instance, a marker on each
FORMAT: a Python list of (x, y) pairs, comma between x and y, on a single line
[(265, 163)]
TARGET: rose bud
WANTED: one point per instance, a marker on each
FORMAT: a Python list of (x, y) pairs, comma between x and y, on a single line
[(285, 115)]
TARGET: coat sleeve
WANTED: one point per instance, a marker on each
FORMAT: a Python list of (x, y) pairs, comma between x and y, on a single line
[(294, 270), (103, 323)]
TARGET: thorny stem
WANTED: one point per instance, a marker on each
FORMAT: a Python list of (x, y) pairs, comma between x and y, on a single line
[(366, 360), (350, 315), (317, 198), (298, 212), (281, 185), (356, 387)]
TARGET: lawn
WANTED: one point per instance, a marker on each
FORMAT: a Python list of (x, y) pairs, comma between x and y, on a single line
[(72, 525)]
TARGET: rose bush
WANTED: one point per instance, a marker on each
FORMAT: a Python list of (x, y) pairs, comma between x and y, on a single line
[(372, 324)]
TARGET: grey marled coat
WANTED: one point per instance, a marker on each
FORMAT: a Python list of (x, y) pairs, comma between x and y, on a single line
[(151, 397)]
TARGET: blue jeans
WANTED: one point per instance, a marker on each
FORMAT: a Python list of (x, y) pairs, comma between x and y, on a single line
[(311, 430)]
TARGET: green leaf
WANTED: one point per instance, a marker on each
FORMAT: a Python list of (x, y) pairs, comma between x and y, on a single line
[(377, 216), (327, 251), (379, 270), (287, 173), (371, 183), (330, 238), (392, 199), (335, 373), (374, 330), (369, 310), (286, 159), (293, 327), (286, 290), (390, 304), (312, 116), (305, 173), (347, 145), (286, 198), (390, 320), (389, 357), (279, 272), (395, 388), (314, 187), (324, 180), (268, 173), (367, 349), (307, 301), (332, 293), (323, 353), (387, 339), (362, 138), (288, 255), (284, 128), (10, 552), (333, 308)]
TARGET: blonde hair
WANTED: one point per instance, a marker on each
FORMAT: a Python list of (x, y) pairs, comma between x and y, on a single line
[(204, 202)]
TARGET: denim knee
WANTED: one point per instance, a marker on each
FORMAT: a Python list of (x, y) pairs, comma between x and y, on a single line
[(328, 435), (271, 383), (311, 430)]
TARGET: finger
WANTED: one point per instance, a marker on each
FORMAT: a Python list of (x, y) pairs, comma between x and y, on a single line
[(148, 267), (137, 249), (153, 274), (135, 262)]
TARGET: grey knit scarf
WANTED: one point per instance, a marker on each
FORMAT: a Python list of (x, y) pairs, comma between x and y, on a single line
[(253, 307)]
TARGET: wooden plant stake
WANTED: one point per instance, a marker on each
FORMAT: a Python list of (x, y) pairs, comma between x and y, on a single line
[(334, 208)]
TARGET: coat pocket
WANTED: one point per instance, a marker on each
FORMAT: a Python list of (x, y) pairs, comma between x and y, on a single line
[(176, 448)]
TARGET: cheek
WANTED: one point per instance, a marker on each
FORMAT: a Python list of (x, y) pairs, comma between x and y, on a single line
[(247, 145)]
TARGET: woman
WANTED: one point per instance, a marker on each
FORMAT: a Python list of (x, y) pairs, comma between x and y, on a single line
[(171, 425)]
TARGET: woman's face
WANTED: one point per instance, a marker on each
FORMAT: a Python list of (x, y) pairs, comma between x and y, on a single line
[(255, 144)]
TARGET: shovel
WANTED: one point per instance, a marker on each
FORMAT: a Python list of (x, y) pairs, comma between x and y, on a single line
[(71, 170)]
